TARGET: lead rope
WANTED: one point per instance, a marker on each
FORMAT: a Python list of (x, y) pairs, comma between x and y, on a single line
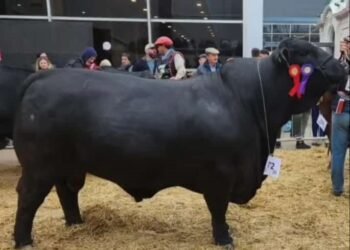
[(264, 106)]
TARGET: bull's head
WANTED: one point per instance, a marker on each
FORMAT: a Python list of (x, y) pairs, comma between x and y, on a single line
[(328, 72)]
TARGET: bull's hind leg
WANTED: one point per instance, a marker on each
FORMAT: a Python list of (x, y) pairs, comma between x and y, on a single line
[(68, 195), (31, 193)]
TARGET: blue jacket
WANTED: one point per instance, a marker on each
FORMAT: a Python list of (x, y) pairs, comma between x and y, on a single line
[(205, 68), (142, 65)]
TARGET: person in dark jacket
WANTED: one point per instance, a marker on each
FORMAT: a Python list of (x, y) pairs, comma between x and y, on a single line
[(148, 62), (212, 64), (126, 64), (86, 60)]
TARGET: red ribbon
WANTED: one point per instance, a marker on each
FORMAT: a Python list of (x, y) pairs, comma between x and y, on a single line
[(295, 74)]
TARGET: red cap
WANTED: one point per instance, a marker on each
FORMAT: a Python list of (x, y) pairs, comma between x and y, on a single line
[(164, 40)]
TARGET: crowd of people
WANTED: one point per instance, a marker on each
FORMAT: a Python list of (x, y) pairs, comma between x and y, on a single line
[(162, 61)]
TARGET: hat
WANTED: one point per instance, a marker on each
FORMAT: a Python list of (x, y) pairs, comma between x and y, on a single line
[(105, 63), (165, 41), (41, 54), (212, 51), (88, 53), (149, 46), (202, 56)]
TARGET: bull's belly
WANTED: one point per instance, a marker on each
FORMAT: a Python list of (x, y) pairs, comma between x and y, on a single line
[(143, 178)]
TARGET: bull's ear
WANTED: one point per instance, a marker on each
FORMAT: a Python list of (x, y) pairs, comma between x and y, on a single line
[(282, 56), (285, 55)]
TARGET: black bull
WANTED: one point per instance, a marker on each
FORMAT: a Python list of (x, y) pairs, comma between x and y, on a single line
[(206, 134), (10, 80)]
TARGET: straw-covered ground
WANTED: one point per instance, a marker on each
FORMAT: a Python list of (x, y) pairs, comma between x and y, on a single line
[(297, 211)]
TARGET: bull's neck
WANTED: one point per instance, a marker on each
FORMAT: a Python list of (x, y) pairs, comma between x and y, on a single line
[(276, 85)]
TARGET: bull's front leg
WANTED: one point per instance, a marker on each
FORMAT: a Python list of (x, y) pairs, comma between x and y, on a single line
[(217, 199)]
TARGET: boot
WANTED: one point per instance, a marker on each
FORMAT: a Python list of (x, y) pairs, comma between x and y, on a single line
[(301, 145)]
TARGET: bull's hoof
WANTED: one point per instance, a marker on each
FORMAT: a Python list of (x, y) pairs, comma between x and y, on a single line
[(27, 247), (222, 234), (24, 244), (74, 222), (225, 242), (228, 247)]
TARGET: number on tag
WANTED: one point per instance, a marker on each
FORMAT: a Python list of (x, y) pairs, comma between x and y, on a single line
[(273, 166)]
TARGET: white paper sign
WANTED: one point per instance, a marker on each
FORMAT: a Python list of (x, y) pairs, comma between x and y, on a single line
[(322, 122), (273, 166), (347, 87)]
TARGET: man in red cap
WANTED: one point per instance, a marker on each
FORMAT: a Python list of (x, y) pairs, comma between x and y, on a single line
[(172, 63)]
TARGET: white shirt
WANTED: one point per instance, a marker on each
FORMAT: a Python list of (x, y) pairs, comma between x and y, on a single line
[(179, 62)]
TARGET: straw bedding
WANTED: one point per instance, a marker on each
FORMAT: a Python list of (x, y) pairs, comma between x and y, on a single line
[(297, 211)]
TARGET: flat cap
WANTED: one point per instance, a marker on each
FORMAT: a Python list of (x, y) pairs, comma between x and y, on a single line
[(212, 51), (149, 46)]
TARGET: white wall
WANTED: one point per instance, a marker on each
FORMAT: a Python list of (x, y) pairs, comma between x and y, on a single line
[(341, 25), (252, 25), (337, 22), (327, 31)]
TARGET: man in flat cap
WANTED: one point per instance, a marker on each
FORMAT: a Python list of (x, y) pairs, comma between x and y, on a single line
[(212, 64)]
